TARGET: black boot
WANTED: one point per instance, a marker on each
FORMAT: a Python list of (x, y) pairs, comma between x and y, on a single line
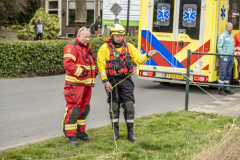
[(130, 133), (83, 136), (73, 141), (229, 92), (222, 92), (116, 131)]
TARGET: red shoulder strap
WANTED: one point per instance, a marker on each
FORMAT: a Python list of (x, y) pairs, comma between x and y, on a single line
[(107, 40)]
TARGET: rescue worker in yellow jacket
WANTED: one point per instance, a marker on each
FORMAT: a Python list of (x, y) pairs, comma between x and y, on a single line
[(115, 62)]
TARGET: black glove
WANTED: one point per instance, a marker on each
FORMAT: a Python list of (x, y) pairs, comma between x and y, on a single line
[(84, 73)]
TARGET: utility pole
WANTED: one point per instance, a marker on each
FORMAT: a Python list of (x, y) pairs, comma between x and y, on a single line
[(128, 18)]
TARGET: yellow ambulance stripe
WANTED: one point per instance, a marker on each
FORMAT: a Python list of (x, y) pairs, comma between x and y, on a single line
[(70, 55), (205, 60), (182, 55)]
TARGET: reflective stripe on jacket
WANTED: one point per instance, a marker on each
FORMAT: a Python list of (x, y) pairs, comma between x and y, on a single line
[(104, 55), (79, 59)]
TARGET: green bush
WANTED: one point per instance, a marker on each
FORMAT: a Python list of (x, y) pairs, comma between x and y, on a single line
[(38, 58), (27, 59)]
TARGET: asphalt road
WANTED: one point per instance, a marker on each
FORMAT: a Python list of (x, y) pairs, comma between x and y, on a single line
[(32, 109)]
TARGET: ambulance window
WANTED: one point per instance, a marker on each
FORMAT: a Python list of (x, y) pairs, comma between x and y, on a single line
[(233, 13), (163, 16), (189, 21)]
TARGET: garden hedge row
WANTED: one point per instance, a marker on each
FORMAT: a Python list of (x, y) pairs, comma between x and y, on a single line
[(38, 58)]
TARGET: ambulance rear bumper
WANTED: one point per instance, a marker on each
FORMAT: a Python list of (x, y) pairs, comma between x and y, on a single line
[(160, 80)]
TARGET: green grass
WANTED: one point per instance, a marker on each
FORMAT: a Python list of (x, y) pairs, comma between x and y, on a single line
[(178, 135)]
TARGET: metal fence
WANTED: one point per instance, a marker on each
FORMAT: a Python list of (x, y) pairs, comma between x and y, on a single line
[(199, 83)]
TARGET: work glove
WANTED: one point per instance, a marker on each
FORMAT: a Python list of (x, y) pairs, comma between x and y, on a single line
[(84, 72)]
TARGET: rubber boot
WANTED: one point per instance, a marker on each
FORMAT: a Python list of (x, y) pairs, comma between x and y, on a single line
[(130, 133), (222, 92), (83, 136), (116, 131), (73, 141)]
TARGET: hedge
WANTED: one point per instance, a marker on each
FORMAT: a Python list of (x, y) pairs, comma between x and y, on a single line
[(38, 58)]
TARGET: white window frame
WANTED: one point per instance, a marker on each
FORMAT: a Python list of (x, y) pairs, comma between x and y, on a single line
[(59, 11), (67, 24), (99, 6)]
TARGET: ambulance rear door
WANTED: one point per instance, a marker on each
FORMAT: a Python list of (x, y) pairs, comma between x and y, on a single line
[(189, 32), (159, 34), (177, 25)]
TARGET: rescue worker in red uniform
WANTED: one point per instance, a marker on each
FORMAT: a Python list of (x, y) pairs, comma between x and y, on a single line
[(79, 62), (237, 51), (115, 62)]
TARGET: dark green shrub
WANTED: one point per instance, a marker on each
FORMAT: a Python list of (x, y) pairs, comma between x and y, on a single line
[(27, 59), (38, 58)]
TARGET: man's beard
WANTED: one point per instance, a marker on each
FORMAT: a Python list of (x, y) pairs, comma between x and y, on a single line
[(116, 45)]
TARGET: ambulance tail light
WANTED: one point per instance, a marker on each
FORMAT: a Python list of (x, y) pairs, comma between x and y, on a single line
[(200, 78), (146, 73)]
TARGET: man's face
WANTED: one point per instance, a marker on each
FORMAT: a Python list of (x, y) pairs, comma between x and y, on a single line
[(229, 27), (84, 37), (118, 38)]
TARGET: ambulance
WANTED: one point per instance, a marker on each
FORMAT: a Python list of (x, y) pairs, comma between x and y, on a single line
[(172, 27)]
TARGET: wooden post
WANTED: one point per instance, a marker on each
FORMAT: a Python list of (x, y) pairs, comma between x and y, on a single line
[(28, 32)]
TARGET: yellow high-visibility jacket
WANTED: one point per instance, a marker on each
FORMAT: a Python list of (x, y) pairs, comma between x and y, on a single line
[(104, 55)]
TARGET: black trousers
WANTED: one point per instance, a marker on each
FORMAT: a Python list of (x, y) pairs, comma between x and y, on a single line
[(39, 35), (123, 92)]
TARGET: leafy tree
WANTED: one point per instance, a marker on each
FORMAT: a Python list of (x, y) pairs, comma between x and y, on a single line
[(30, 9), (9, 12), (17, 12)]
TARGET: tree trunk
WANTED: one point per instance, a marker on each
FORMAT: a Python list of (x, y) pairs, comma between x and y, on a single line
[(28, 32), (80, 14)]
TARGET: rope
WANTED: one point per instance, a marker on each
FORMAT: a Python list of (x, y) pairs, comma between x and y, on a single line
[(199, 86), (173, 45), (111, 110), (183, 75)]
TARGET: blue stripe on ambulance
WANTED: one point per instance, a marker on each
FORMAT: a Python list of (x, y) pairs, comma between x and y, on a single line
[(151, 39), (149, 61)]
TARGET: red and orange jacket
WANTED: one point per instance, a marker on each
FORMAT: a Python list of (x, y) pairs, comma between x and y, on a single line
[(79, 63), (237, 44)]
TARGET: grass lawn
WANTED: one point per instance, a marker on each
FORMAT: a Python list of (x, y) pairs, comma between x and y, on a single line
[(173, 135)]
